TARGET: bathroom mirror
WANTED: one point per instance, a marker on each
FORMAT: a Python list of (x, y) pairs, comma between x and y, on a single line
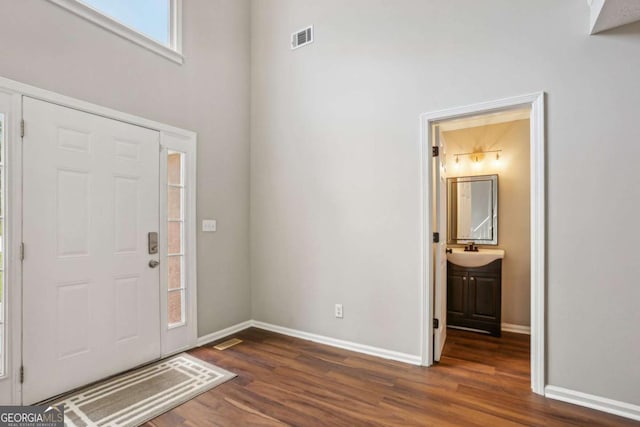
[(472, 210)]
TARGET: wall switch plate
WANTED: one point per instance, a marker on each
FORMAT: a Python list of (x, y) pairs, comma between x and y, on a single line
[(338, 311), (209, 225)]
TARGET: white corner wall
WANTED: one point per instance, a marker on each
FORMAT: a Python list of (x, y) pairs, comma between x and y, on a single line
[(335, 203), (46, 46)]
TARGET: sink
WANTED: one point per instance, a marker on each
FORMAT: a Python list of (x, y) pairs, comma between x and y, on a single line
[(474, 259)]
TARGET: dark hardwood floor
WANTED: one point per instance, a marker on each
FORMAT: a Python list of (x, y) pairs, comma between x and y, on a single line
[(481, 381)]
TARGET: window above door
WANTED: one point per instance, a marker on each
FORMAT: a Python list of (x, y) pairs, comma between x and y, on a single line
[(153, 24)]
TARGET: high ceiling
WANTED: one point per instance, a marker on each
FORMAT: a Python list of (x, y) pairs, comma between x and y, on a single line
[(608, 14)]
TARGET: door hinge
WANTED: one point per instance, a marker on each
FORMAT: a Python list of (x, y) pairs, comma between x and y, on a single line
[(21, 374), (436, 237), (435, 151), (436, 323), (21, 251), (22, 128)]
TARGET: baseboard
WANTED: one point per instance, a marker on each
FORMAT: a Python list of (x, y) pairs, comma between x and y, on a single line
[(347, 345), (518, 329), (603, 404), (214, 336)]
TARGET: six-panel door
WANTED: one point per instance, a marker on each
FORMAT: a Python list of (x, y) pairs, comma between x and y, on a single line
[(90, 298)]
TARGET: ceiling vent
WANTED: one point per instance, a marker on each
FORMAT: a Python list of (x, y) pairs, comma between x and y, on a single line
[(302, 37)]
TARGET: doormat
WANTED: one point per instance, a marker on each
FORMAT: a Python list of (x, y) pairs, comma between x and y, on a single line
[(136, 397), (228, 343)]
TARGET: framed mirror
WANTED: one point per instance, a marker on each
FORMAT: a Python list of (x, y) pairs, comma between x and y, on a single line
[(472, 210)]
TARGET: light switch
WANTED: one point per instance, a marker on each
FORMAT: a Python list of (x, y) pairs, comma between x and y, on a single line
[(209, 225)]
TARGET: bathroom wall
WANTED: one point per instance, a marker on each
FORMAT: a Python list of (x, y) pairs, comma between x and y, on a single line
[(335, 166), (513, 202), (46, 46)]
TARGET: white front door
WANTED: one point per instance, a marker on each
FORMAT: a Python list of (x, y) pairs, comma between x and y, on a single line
[(90, 297), (440, 248)]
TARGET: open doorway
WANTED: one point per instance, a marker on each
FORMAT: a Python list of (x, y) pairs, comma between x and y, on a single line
[(484, 188)]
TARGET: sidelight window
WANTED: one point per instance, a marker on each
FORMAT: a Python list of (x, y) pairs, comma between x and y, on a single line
[(175, 234)]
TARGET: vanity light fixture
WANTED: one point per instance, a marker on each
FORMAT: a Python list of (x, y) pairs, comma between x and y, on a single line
[(477, 156)]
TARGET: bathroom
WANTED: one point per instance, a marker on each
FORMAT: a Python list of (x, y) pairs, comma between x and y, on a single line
[(485, 162)]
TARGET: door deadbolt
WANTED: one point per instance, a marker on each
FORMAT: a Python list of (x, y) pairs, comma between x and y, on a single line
[(153, 243)]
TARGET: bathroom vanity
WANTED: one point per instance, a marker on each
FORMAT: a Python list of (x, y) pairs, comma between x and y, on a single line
[(474, 296), (474, 277)]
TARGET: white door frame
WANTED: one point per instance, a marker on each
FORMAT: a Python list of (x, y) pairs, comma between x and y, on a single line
[(171, 137), (535, 101)]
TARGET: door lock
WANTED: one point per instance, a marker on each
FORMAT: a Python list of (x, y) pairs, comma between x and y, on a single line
[(153, 263), (153, 243)]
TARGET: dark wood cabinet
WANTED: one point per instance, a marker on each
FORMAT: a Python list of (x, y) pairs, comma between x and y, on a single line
[(474, 296)]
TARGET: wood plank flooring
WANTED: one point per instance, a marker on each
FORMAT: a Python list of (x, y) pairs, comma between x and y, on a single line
[(481, 381)]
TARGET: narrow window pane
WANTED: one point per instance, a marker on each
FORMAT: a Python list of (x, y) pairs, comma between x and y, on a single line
[(174, 168), (149, 17), (175, 272), (174, 198), (175, 307), (175, 238)]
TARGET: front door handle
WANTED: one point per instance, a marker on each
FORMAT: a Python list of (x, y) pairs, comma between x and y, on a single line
[(153, 263)]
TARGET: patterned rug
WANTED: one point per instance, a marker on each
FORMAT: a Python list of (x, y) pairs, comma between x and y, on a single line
[(140, 395)]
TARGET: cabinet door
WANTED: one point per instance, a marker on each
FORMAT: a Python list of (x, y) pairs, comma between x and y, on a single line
[(484, 297), (456, 296)]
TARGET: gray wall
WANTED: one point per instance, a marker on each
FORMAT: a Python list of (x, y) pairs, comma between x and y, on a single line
[(513, 203), (46, 46), (335, 209)]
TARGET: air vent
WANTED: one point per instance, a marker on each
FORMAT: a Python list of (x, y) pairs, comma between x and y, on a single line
[(302, 37)]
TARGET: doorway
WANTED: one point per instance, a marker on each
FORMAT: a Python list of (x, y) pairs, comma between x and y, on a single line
[(437, 158), (43, 244)]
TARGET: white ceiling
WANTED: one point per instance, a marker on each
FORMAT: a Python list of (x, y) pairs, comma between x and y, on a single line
[(608, 14)]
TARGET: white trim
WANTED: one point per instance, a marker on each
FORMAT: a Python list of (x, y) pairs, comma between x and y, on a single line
[(14, 172), (223, 333), (538, 244), (175, 30), (347, 345), (9, 383), (517, 329), (623, 409), (66, 101), (538, 226), (173, 52)]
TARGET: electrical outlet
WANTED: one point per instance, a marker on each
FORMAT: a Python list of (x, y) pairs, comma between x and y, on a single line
[(338, 311)]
